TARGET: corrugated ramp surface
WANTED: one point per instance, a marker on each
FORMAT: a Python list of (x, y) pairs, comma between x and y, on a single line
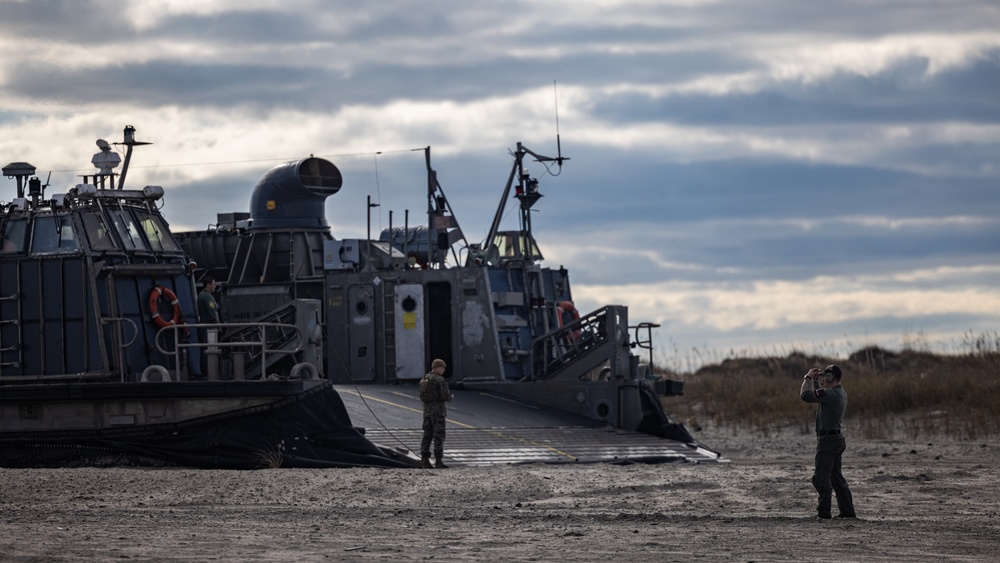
[(485, 429)]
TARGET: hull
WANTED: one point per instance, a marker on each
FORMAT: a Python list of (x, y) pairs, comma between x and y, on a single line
[(211, 425)]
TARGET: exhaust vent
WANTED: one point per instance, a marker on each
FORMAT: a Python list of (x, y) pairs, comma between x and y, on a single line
[(293, 195)]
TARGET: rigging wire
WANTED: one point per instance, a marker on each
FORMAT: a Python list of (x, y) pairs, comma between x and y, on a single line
[(357, 390), (378, 189), (249, 161)]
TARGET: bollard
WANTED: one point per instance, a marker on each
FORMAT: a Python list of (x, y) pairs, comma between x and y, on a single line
[(214, 353), (239, 366)]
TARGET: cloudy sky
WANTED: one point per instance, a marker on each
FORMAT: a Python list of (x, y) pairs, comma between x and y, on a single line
[(754, 176)]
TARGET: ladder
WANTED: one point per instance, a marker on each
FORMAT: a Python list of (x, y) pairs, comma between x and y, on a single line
[(389, 330)]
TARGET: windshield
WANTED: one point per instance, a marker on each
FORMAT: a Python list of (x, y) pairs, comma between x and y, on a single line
[(97, 232), (127, 229), (53, 234), (13, 236), (157, 234), (514, 245)]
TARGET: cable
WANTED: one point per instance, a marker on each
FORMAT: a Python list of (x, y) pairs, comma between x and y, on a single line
[(362, 397), (223, 162), (378, 190)]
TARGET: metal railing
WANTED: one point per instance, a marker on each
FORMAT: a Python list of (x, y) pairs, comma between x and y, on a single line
[(259, 345), (561, 347)]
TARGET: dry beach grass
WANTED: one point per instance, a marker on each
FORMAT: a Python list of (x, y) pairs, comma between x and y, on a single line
[(924, 492), (909, 392)]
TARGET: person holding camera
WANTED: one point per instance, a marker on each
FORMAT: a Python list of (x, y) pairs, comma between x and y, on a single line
[(823, 387)]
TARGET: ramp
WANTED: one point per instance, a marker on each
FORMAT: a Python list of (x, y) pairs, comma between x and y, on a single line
[(485, 429)]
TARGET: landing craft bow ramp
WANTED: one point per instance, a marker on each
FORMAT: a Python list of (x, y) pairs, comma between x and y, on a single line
[(486, 429)]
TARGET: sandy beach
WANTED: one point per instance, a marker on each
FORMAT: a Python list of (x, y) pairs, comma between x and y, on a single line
[(917, 500)]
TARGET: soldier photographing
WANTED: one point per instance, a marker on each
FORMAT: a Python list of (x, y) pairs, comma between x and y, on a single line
[(830, 445)]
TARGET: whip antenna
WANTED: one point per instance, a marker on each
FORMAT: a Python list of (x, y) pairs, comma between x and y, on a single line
[(555, 94)]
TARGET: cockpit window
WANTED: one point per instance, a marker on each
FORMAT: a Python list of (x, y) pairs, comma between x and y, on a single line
[(127, 229), (13, 236), (157, 234), (53, 234), (97, 232), (514, 245)]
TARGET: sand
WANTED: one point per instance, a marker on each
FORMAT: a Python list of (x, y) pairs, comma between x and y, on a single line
[(917, 500)]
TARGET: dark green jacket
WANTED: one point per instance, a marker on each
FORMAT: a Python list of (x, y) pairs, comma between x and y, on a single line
[(208, 309), (832, 404)]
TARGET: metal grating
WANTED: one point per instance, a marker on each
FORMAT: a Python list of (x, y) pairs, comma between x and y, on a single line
[(502, 446)]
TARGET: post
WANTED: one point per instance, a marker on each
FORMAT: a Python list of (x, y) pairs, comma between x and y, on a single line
[(368, 241)]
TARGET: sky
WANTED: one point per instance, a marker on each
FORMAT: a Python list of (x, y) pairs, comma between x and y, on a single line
[(755, 177)]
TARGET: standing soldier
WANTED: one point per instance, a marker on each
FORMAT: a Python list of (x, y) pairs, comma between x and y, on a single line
[(208, 309), (208, 313), (831, 443), (434, 393)]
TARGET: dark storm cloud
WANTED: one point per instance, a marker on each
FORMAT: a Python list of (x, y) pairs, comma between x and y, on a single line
[(384, 51), (903, 92), (78, 21), (837, 247), (159, 83), (630, 185), (749, 253), (290, 83), (192, 207), (766, 220), (253, 28), (863, 19)]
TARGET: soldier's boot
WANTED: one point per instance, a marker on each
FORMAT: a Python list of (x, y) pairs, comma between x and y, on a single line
[(845, 502), (823, 511), (425, 461), (438, 464)]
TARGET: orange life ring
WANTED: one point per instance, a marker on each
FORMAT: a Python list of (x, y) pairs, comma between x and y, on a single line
[(154, 307), (567, 307)]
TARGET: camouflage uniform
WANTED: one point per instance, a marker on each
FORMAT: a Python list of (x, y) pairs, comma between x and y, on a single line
[(434, 419)]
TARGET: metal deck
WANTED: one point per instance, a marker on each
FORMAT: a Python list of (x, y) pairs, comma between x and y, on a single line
[(485, 429)]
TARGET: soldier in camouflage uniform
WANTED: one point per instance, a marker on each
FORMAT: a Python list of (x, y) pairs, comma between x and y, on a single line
[(434, 393)]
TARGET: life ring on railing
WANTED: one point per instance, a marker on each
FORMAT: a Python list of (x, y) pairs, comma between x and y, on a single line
[(562, 308), (154, 307)]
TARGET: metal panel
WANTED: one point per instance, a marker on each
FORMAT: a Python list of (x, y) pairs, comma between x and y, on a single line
[(411, 342), (11, 341), (361, 307)]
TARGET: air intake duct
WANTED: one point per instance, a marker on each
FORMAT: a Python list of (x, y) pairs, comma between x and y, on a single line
[(293, 195)]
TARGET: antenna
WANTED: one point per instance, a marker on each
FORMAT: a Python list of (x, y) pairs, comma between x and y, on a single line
[(555, 94)]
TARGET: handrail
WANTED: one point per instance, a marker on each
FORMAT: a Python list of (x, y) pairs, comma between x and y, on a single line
[(121, 334), (560, 347), (262, 343), (647, 343), (135, 328)]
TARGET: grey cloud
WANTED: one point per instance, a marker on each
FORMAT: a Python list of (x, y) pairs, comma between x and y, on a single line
[(902, 93), (624, 185), (161, 83), (287, 83), (722, 216), (87, 22), (682, 344)]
